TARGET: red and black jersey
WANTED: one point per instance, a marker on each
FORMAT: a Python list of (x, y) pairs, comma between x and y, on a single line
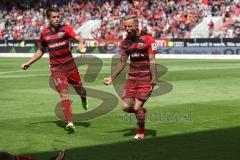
[(57, 44), (139, 49)]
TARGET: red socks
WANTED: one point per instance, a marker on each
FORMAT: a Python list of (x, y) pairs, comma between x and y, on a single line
[(140, 115), (67, 110)]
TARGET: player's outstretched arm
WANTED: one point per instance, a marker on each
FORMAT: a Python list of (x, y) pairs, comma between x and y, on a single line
[(107, 80), (152, 61), (80, 47), (39, 53), (120, 66)]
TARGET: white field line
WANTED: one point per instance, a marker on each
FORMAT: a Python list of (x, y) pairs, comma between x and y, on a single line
[(20, 71), (23, 76), (158, 56), (5, 74)]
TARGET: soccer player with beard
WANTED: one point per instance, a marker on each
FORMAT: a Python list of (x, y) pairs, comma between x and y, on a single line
[(141, 48), (56, 38)]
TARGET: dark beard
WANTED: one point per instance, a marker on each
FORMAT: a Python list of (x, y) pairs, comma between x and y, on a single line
[(132, 35)]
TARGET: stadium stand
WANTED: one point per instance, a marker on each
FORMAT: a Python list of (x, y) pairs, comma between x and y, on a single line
[(169, 19)]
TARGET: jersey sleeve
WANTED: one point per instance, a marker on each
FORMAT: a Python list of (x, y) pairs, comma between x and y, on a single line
[(123, 48), (42, 43), (71, 32), (152, 47)]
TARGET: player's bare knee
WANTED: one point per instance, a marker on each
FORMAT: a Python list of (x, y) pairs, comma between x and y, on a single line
[(64, 96), (137, 107), (125, 107)]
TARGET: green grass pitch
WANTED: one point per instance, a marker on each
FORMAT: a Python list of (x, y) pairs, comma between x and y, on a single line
[(198, 119)]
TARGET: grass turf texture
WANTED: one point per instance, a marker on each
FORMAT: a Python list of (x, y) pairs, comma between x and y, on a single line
[(198, 119)]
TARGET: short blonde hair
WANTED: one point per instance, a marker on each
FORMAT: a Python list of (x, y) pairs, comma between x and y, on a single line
[(135, 19)]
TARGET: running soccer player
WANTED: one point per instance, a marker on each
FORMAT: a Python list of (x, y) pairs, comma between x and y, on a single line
[(55, 38), (141, 48)]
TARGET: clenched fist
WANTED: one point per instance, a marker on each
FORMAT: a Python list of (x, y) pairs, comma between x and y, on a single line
[(107, 80)]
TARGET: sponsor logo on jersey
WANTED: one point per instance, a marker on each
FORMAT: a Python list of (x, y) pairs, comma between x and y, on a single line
[(60, 34), (133, 55), (57, 44), (140, 45)]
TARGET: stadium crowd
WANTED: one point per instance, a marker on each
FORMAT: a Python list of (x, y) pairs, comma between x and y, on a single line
[(161, 18), (230, 11)]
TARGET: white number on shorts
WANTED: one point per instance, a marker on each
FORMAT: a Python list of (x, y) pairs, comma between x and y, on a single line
[(57, 81)]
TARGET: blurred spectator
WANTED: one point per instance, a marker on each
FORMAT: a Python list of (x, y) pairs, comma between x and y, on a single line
[(211, 28), (24, 19)]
